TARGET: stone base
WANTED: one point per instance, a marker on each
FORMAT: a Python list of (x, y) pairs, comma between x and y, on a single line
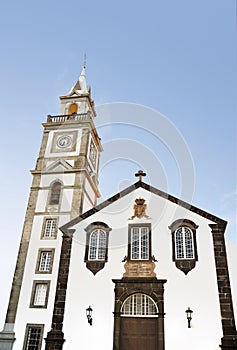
[(54, 340), (7, 337), (229, 342)]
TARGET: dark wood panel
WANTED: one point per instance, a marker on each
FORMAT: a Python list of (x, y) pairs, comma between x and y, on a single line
[(138, 333)]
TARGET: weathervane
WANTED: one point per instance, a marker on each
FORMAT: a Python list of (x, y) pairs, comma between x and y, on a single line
[(84, 65), (140, 174)]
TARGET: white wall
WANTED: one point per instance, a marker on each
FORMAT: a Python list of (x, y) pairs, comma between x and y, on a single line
[(198, 289)]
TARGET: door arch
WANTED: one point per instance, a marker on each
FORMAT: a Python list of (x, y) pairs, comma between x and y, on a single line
[(138, 323), (139, 314)]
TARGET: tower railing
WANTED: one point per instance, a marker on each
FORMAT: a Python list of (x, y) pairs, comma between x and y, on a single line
[(68, 117)]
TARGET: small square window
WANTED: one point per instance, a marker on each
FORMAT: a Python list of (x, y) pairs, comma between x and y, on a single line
[(33, 337), (39, 295), (50, 228), (45, 261)]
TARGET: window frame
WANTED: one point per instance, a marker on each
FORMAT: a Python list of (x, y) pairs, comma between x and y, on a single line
[(51, 194), (33, 294), (54, 236), (99, 239), (93, 154), (40, 251), (130, 229), (184, 243), (185, 263), (95, 265), (26, 338)]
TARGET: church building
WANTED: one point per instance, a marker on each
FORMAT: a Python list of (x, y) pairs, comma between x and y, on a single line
[(143, 270)]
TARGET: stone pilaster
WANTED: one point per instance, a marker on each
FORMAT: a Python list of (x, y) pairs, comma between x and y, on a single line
[(55, 337), (78, 195), (229, 340), (40, 160), (7, 336)]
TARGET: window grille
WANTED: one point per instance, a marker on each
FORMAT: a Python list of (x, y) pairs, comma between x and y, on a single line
[(184, 243), (40, 294), (45, 261), (139, 305), (50, 228), (139, 243), (97, 245), (33, 339)]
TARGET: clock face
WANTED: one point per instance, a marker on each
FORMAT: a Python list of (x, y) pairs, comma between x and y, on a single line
[(64, 141)]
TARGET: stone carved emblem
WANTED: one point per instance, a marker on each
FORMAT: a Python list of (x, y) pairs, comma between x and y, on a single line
[(139, 209)]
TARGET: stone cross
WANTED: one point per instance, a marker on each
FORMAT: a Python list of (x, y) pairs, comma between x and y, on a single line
[(140, 174)]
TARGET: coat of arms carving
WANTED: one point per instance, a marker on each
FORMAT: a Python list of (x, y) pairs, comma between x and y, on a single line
[(139, 209)]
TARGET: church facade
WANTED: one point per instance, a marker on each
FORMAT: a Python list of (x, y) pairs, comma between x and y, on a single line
[(142, 270)]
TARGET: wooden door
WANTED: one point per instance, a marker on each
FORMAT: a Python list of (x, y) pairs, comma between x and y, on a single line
[(138, 333)]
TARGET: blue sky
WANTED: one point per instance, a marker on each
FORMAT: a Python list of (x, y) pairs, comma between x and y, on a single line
[(175, 57)]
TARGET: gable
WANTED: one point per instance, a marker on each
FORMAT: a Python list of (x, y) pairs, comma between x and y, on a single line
[(116, 206), (58, 165)]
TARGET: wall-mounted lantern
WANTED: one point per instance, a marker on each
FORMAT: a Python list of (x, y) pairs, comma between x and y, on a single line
[(189, 313), (89, 315)]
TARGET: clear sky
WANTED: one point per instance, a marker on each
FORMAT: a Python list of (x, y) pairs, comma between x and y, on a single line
[(175, 57)]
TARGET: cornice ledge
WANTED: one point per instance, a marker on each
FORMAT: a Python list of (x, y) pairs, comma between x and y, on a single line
[(218, 228), (68, 233)]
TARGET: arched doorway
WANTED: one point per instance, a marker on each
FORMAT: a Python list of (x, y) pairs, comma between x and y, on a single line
[(138, 323), (139, 314)]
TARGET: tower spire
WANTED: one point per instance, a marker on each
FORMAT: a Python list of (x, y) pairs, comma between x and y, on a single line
[(80, 87), (82, 80)]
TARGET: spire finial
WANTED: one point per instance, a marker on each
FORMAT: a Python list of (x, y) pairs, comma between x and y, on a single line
[(140, 174), (84, 64)]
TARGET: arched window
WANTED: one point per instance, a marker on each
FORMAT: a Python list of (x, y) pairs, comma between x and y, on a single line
[(73, 108), (97, 240), (139, 305), (97, 245), (184, 244), (55, 192)]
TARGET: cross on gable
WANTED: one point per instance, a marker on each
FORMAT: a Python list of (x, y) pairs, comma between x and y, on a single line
[(140, 174)]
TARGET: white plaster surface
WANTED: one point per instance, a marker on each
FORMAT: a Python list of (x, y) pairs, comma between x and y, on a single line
[(198, 289)]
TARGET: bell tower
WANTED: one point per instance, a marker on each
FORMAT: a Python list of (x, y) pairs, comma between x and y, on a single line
[(65, 184), (73, 144)]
